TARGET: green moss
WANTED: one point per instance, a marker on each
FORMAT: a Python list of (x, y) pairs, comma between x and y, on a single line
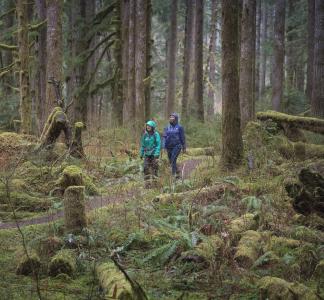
[(243, 223), (319, 270), (63, 262), (210, 247), (282, 245), (27, 264), (78, 125)]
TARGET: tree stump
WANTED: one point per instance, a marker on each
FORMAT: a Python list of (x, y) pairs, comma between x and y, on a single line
[(76, 147), (74, 209), (55, 124)]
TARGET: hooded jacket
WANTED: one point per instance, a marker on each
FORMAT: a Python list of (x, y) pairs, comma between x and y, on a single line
[(150, 142), (174, 135)]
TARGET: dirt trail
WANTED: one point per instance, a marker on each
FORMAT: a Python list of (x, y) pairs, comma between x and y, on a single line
[(98, 201)]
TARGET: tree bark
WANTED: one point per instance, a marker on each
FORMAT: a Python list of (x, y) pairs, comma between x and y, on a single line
[(187, 57), (258, 50), (317, 103), (211, 60), (140, 62), (310, 48), (171, 63), (278, 54), (54, 49), (149, 43), (23, 46), (264, 37), (41, 64), (247, 62), (291, 37), (232, 144)]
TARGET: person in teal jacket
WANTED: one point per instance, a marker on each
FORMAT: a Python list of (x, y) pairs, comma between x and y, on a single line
[(150, 150)]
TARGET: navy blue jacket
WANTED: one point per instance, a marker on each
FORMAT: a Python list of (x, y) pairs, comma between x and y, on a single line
[(173, 136)]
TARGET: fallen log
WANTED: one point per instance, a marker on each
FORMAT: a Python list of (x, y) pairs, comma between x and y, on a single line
[(306, 123), (301, 150)]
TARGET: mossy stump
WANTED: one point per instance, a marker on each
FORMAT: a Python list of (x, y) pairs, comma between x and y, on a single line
[(71, 176), (76, 146), (248, 249), (114, 283), (28, 264), (74, 209), (56, 123), (63, 262)]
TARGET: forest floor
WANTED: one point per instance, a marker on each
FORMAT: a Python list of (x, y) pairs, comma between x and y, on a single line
[(211, 235)]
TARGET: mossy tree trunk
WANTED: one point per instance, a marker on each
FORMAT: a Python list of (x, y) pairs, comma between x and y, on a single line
[(232, 144), (278, 54), (23, 46), (317, 103), (171, 62), (310, 48), (264, 38), (247, 61), (149, 44), (54, 50), (76, 146)]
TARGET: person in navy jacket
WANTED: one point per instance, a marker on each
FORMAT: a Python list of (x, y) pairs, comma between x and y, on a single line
[(173, 141)]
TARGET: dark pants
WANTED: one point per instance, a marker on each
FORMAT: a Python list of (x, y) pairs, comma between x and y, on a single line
[(173, 154), (151, 167)]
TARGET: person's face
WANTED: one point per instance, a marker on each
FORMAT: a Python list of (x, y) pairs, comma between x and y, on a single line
[(148, 128), (172, 119)]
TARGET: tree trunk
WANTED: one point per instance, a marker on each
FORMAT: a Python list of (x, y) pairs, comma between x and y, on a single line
[(187, 57), (199, 83), (129, 105), (317, 103), (278, 54), (54, 49), (149, 43), (125, 55), (140, 62), (41, 64), (310, 48), (171, 63), (290, 53), (258, 50), (264, 37), (211, 60), (232, 144), (247, 62), (23, 46)]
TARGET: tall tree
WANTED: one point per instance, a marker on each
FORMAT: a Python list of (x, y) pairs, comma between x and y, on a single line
[(23, 49), (149, 44), (232, 144), (171, 62), (310, 48), (211, 65), (264, 37), (247, 61), (317, 103), (278, 54), (54, 49), (41, 64), (258, 49)]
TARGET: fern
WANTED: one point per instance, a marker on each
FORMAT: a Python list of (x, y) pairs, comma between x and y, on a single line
[(252, 203)]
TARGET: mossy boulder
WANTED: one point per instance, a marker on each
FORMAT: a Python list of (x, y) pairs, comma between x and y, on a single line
[(64, 261), (27, 264), (273, 288), (248, 249), (245, 222)]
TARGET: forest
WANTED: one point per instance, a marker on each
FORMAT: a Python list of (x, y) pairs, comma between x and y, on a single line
[(162, 149)]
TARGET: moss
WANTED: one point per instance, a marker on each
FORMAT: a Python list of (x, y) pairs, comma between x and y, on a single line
[(78, 125), (319, 270), (63, 262), (201, 151), (74, 209), (301, 150), (273, 288), (307, 234), (210, 247), (48, 246), (113, 282), (248, 249), (281, 245), (243, 223), (27, 264)]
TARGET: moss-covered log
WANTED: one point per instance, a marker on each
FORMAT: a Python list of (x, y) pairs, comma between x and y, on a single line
[(308, 193), (248, 249), (74, 209), (272, 288), (62, 262), (207, 195), (56, 123), (306, 123), (115, 284), (27, 264), (76, 146), (301, 150)]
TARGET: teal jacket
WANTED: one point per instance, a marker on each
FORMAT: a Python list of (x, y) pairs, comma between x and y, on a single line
[(150, 144)]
